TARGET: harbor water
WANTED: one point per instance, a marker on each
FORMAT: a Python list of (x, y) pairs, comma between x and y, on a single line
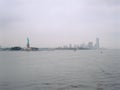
[(60, 70)]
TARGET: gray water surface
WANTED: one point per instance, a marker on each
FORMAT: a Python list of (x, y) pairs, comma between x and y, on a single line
[(60, 70)]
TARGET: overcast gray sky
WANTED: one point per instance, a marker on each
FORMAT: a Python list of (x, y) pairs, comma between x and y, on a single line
[(50, 23)]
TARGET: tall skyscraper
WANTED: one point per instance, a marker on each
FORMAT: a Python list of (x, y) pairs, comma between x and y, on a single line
[(28, 44), (97, 43)]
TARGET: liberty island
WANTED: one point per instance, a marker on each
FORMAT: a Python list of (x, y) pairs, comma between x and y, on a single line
[(89, 46)]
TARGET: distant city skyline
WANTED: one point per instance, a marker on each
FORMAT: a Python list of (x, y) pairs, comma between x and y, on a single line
[(52, 23)]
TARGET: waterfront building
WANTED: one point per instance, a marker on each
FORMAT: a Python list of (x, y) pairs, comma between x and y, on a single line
[(97, 43), (90, 45)]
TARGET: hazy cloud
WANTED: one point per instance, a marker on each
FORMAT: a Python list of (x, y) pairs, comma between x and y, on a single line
[(54, 22)]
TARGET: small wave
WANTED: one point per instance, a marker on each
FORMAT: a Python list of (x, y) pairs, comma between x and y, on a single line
[(5, 86), (74, 86), (99, 86), (47, 84)]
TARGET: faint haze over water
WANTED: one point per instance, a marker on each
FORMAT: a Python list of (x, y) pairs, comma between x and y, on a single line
[(50, 23)]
